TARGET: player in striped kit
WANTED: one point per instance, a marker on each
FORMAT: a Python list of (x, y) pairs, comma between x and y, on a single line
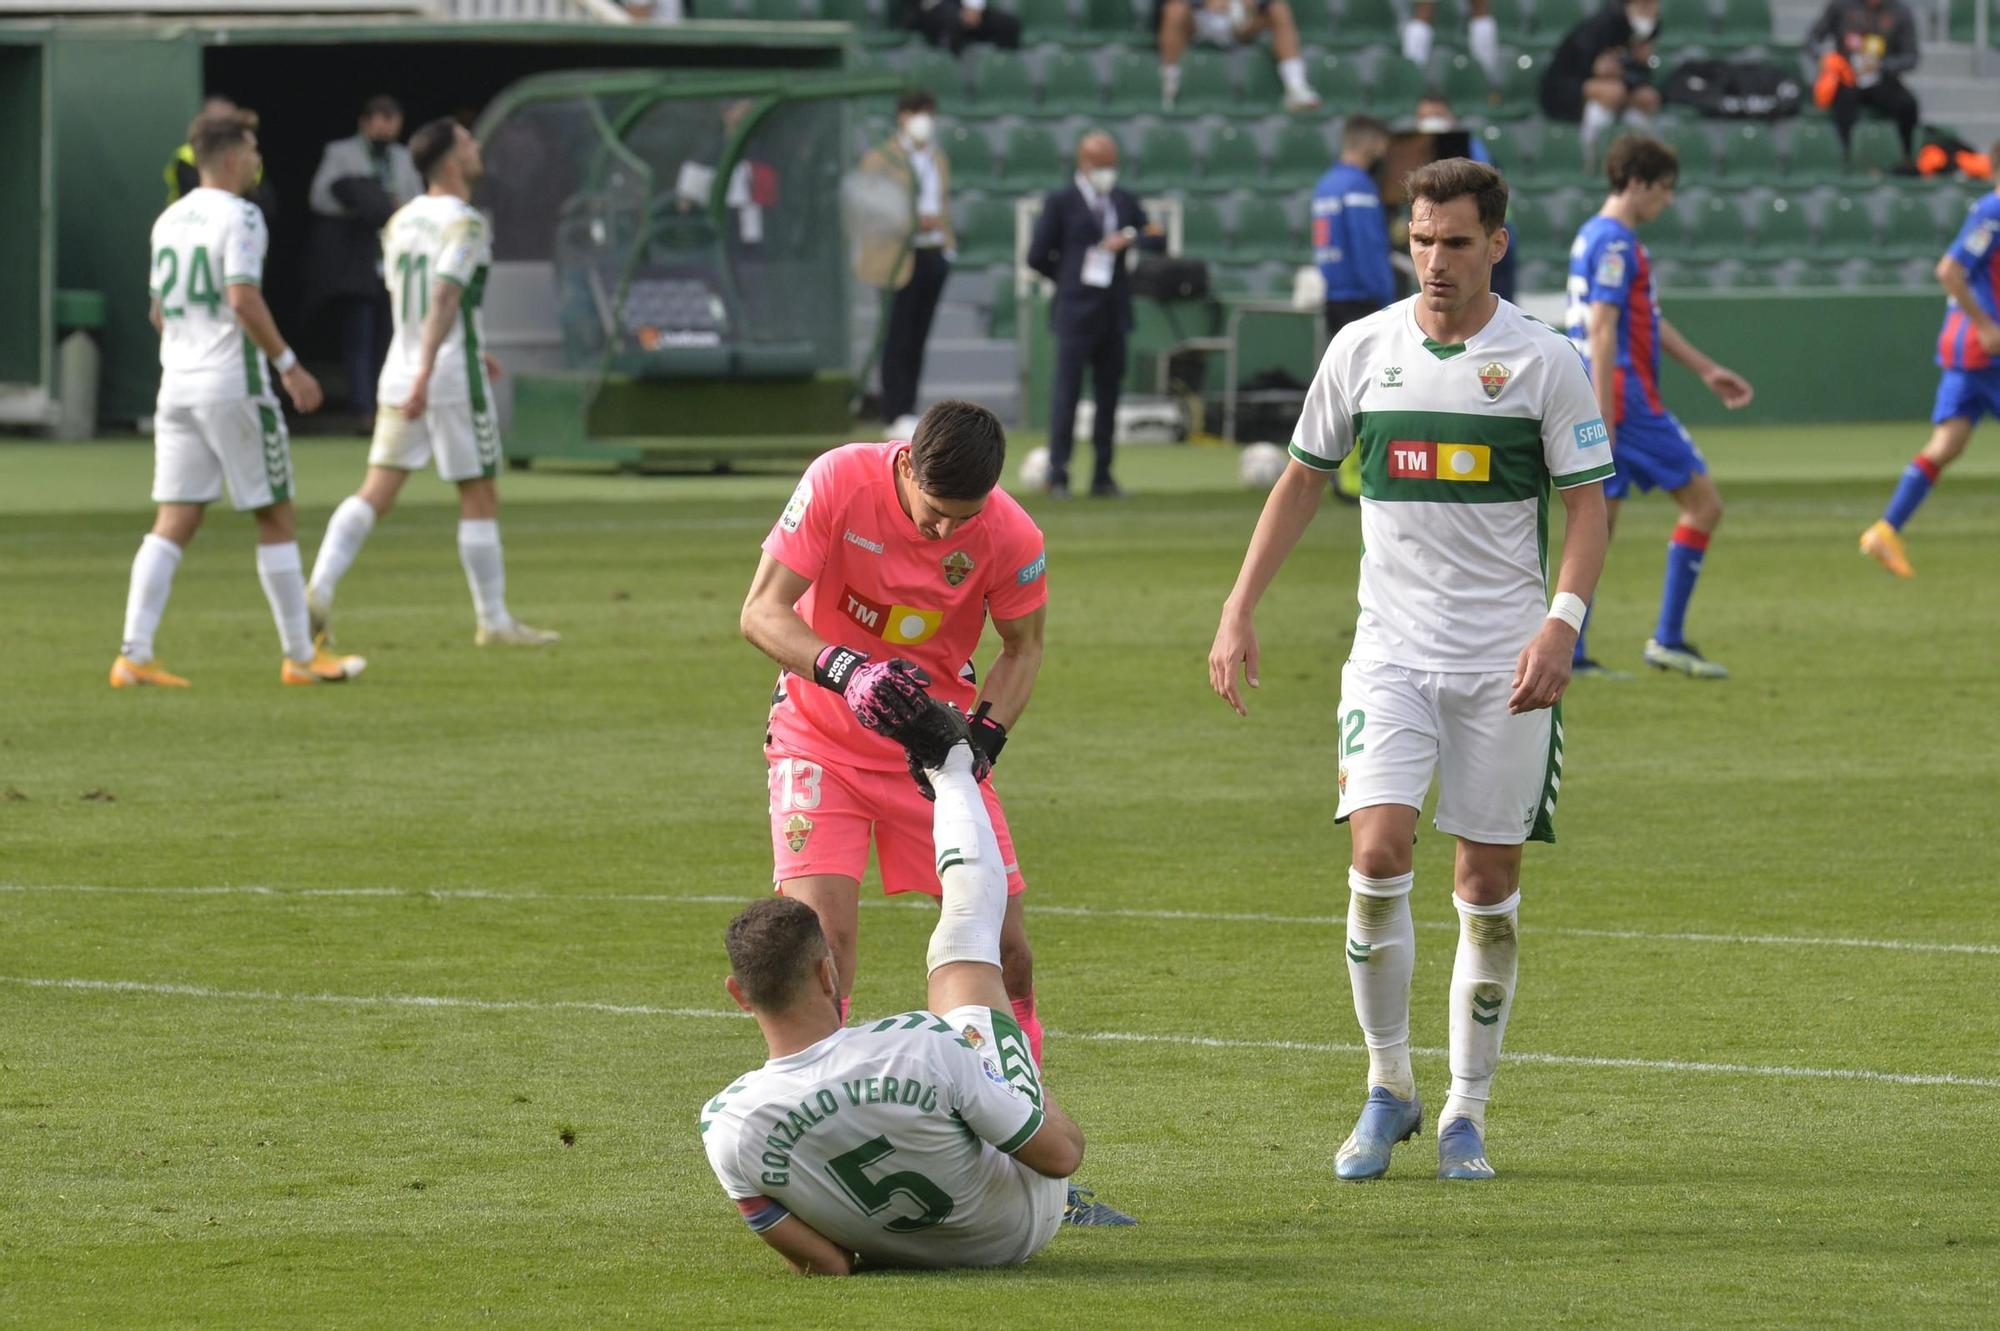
[(1968, 351)]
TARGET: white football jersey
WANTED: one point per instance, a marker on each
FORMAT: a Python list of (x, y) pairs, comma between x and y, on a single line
[(208, 240), (890, 1139), (1459, 446), (432, 238)]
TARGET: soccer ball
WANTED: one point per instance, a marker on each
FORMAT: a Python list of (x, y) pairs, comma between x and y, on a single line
[(1260, 465), (1035, 470)]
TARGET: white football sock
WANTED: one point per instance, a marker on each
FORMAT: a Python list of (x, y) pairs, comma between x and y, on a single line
[(485, 570), (1381, 957), (972, 875), (152, 580), (1596, 119), (345, 533), (1417, 38), (1482, 994), (1483, 36), (284, 579), (1634, 118), (1292, 73), (1170, 83)]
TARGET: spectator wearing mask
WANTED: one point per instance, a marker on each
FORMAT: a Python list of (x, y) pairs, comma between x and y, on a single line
[(1079, 243), (1350, 234), (1226, 24), (912, 158), (956, 24), (360, 183), (1601, 71), (1866, 46)]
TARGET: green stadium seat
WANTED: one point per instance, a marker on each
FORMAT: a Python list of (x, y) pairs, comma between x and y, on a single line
[(1511, 15), (1114, 21), (1846, 231), (1069, 86), (927, 68), (1004, 320), (1336, 78), (1783, 229), (1964, 17), (1049, 21), (1692, 144), (972, 162), (1671, 274), (1207, 86), (1750, 154), (1557, 159), (1315, 20), (1554, 18), (1464, 82), (1001, 84), (777, 11), (1032, 162), (1520, 93), (985, 230), (1814, 155), (1364, 23), (1806, 274), (1266, 232), (1232, 160), (1744, 23), (1134, 87), (1537, 235), (1393, 92), (872, 29), (1877, 147), (1166, 160), (1910, 230), (1716, 229), (1301, 154), (1204, 235)]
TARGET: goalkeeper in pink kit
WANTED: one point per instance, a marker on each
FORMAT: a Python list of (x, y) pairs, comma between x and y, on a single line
[(872, 593)]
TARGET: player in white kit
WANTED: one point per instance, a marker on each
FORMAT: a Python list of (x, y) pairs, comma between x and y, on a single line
[(1466, 413), (216, 422), (924, 1139), (435, 397)]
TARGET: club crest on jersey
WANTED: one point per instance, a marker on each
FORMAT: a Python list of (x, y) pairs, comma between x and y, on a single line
[(1343, 780), (798, 830), (973, 1037), (1493, 377), (957, 567)]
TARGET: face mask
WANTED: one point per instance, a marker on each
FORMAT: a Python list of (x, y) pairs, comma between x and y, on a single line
[(1435, 125), (1642, 24), (920, 127), (1102, 178)]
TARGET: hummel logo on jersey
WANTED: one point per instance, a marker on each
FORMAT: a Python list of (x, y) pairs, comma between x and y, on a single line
[(1392, 377), (872, 547), (1440, 462)]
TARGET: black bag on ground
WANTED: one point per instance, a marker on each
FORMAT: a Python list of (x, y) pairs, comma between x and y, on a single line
[(1736, 89), (1157, 277)]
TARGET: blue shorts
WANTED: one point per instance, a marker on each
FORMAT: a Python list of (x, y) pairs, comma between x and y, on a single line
[(1967, 393), (1651, 451)]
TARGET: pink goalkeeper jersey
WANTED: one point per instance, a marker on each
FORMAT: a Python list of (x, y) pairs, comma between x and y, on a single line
[(880, 587)]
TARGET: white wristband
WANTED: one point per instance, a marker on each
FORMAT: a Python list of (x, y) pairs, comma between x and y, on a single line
[(285, 360), (1570, 609)]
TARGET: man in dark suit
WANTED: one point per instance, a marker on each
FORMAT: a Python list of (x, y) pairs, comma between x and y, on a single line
[(1079, 244)]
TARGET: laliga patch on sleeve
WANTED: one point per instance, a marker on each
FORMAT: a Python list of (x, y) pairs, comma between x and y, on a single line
[(1610, 270), (1981, 238), (1029, 572), (1592, 433), (795, 511)]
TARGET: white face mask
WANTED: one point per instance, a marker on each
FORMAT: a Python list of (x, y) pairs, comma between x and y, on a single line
[(1102, 178), (920, 127), (1435, 124), (1642, 24)]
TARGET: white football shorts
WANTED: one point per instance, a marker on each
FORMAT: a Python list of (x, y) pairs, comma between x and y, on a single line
[(1498, 774), (198, 449), (464, 441)]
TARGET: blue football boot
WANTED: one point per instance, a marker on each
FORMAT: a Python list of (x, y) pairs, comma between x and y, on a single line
[(1081, 1210), (1462, 1151), (1384, 1121)]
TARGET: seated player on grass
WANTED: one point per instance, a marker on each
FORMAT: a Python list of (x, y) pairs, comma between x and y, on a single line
[(920, 1140)]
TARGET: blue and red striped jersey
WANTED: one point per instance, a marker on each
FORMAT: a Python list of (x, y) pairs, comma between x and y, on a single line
[(1608, 265), (1977, 250)]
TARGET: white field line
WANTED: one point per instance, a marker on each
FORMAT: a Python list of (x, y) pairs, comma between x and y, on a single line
[(1036, 908), (1780, 1071)]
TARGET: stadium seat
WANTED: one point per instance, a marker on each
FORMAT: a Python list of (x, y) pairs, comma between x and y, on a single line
[(1876, 147), (1364, 23), (1716, 230), (1846, 231), (1671, 275), (1814, 156), (1395, 87), (1134, 86), (1909, 230), (1557, 159), (1166, 160), (985, 230), (1750, 154), (1207, 85), (1033, 162), (1500, 144), (1069, 85), (1696, 150), (927, 68), (1465, 85), (1783, 230), (1666, 238), (872, 29), (1808, 274), (1315, 20), (1744, 23), (1512, 17), (1554, 19), (1301, 155), (1520, 93), (1267, 232), (1965, 14), (1115, 21), (1537, 235), (1204, 235), (1338, 79), (1232, 160), (971, 158), (1051, 21), (777, 11), (1001, 84)]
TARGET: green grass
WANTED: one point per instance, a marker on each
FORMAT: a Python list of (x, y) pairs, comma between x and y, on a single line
[(245, 1154)]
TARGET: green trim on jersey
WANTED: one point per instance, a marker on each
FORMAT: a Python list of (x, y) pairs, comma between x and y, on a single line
[(277, 454), (485, 429), (1443, 350), (241, 281), (447, 277), (253, 374), (1600, 472), (1516, 469), (1028, 1129), (1312, 460), (1543, 828)]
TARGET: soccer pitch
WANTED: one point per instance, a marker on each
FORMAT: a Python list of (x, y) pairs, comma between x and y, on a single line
[(394, 1003)]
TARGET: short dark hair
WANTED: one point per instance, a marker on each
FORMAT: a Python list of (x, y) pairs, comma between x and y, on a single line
[(1359, 128), (213, 137), (381, 104), (957, 450), (1455, 178), (774, 946), (916, 99), (431, 144), (1638, 160)]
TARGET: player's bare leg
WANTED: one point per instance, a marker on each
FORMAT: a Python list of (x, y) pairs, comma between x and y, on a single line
[(1883, 541), (1176, 31), (174, 525), (1017, 969), (346, 531), (1700, 514), (1486, 889), (1284, 29), (836, 899), (1381, 957), (486, 569)]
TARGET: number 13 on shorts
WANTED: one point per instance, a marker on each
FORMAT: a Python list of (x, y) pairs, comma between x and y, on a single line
[(794, 784)]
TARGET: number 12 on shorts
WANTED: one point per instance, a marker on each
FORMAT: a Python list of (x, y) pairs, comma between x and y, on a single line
[(795, 784)]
